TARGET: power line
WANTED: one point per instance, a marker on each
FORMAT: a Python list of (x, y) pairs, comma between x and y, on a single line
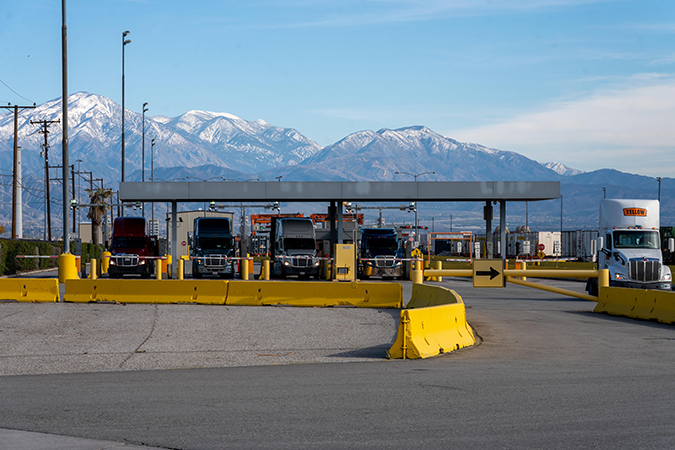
[(15, 92)]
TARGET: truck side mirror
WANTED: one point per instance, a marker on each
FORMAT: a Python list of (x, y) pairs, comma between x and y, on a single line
[(601, 243), (671, 245)]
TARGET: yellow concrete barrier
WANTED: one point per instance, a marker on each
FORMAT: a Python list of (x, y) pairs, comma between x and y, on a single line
[(209, 292), (647, 304), (304, 293), (427, 332), (43, 290), (424, 295), (432, 330)]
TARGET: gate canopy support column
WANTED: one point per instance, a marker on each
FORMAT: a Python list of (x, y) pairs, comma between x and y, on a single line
[(340, 231), (502, 228), (333, 231)]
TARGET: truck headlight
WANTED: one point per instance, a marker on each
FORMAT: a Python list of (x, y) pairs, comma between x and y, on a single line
[(287, 262), (620, 276), (112, 262), (317, 262), (667, 277), (141, 262)]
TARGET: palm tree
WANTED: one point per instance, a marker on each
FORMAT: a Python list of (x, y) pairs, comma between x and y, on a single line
[(97, 197)]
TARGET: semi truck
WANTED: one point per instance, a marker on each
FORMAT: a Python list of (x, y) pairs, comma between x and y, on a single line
[(294, 249), (132, 249), (380, 253), (630, 247), (212, 247)]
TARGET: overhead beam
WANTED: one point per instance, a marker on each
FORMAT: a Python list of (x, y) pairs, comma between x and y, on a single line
[(326, 191)]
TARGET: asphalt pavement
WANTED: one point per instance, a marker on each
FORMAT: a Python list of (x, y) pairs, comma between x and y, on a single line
[(548, 373)]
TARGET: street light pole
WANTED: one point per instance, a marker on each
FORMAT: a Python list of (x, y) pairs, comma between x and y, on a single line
[(143, 155), (417, 231), (152, 171), (659, 180), (64, 141), (124, 44)]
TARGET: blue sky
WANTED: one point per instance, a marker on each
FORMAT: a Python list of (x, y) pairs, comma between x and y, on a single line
[(588, 83)]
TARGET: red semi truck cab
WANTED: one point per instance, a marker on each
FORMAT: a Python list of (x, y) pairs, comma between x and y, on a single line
[(132, 248)]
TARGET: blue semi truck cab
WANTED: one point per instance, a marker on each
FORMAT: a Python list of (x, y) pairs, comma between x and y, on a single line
[(380, 253), (212, 247)]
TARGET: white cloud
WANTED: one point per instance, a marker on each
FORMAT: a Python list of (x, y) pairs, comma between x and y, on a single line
[(629, 128)]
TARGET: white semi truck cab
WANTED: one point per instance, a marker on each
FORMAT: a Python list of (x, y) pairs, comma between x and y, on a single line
[(629, 245), (294, 249)]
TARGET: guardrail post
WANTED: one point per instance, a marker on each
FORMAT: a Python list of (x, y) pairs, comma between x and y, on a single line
[(181, 268), (243, 265), (439, 266), (158, 269)]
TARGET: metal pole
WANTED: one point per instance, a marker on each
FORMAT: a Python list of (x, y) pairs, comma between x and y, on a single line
[(72, 171), (64, 100), (16, 171), (143, 156), (152, 173), (124, 43), (659, 180)]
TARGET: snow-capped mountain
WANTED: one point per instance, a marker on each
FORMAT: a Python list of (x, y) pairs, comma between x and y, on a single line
[(196, 138), (369, 155), (212, 145), (562, 169)]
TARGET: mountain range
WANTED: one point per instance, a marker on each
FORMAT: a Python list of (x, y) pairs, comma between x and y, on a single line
[(208, 145)]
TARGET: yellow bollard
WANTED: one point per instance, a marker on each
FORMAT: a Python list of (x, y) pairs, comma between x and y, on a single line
[(105, 261), (439, 266), (417, 276), (92, 270), (523, 266), (159, 264), (181, 268), (67, 267), (244, 269), (266, 269)]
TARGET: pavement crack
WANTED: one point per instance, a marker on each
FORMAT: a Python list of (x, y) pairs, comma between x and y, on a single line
[(138, 349)]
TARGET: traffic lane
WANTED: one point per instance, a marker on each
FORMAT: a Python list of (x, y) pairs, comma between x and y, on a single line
[(65, 337), (443, 402), (549, 374)]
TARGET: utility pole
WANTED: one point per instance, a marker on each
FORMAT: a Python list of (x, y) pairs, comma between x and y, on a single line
[(45, 130), (16, 161)]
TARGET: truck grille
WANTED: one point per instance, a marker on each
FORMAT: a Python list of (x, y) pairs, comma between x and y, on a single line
[(385, 261), (641, 270), (215, 261), (302, 261), (126, 260)]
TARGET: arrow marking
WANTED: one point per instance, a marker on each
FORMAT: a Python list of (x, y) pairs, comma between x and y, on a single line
[(492, 273)]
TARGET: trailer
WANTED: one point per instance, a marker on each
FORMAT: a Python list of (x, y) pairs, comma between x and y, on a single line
[(536, 244), (579, 244)]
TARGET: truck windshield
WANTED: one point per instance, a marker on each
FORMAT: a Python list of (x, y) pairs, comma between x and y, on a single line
[(636, 239), (382, 246), (209, 243), (299, 244), (128, 242)]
